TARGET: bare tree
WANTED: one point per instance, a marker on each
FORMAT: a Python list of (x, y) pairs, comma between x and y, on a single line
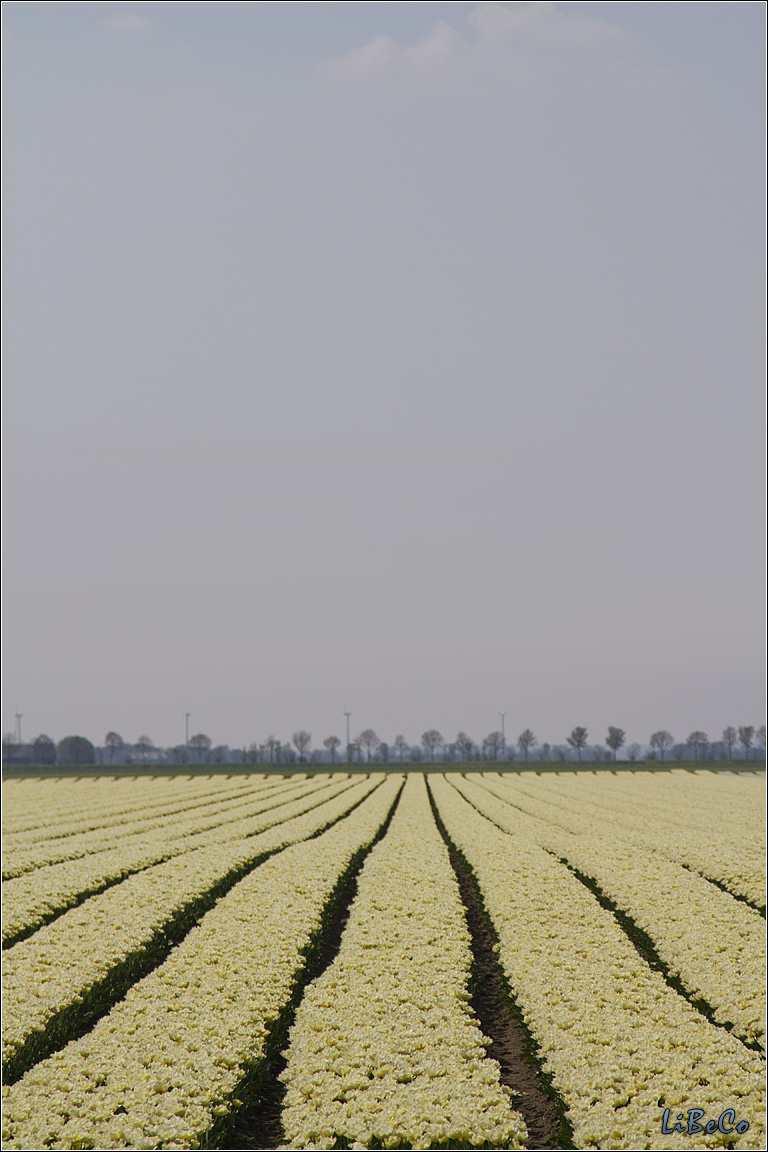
[(544, 751), (402, 746), (144, 745), (432, 740), (730, 736), (465, 744), (633, 751), (698, 741), (253, 754), (746, 736), (526, 741), (271, 747), (302, 741), (332, 743), (114, 741), (615, 739), (493, 744), (368, 740), (180, 754), (201, 743), (662, 740), (577, 739)]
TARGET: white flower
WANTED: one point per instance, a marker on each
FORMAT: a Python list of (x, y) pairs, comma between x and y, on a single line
[(257, 932), (425, 1075), (616, 1001)]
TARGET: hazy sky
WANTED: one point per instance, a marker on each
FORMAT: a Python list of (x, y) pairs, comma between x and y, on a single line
[(407, 357)]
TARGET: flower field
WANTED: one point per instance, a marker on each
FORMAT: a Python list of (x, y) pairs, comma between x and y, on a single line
[(460, 960)]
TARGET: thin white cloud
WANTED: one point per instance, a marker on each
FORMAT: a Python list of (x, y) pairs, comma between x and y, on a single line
[(378, 58), (504, 48), (443, 45), (128, 22)]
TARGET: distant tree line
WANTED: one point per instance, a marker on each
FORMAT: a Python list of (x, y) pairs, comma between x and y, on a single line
[(744, 743)]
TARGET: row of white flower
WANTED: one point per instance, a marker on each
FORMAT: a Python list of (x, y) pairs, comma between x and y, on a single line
[(120, 824), (31, 898), (733, 860), (723, 806), (37, 801), (56, 967), (652, 798), (722, 809), (23, 852), (182, 826), (721, 833), (100, 797), (652, 801), (159, 1069), (133, 798), (385, 1046), (136, 811), (713, 943), (35, 897), (727, 791), (663, 792), (723, 826), (721, 822), (620, 1045)]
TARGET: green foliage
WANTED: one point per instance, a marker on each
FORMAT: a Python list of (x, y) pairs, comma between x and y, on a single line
[(577, 739), (45, 750), (615, 739), (76, 750)]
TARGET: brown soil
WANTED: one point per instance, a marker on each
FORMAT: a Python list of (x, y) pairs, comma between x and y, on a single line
[(510, 1043), (260, 1126)]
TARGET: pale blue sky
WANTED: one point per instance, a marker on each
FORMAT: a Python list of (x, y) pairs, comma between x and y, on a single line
[(403, 356)]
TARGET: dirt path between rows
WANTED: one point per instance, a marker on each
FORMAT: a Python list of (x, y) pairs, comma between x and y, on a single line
[(510, 1044)]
